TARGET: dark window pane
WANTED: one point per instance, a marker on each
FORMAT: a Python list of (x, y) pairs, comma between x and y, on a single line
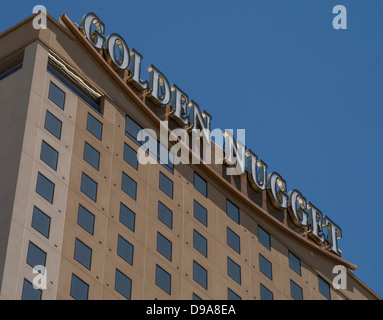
[(295, 263), (166, 185), (199, 243), (94, 127), (129, 186), (92, 156), (79, 289), (125, 250), (296, 291), (264, 238), (232, 211), (166, 158), (200, 213), (132, 129), (265, 267), (36, 256), (233, 270), (163, 279), (200, 184), (231, 295), (233, 240), (30, 293), (324, 288), (10, 71), (123, 284), (83, 254), (41, 222), (200, 274), (74, 87), (56, 95), (165, 215), (130, 156), (89, 187), (45, 188), (127, 217), (164, 246), (266, 294), (195, 297), (85, 219), (53, 125), (49, 155)]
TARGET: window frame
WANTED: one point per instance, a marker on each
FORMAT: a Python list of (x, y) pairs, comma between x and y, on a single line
[(50, 148), (56, 87), (57, 120), (79, 259)]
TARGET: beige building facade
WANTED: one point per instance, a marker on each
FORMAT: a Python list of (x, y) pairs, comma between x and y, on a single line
[(75, 200)]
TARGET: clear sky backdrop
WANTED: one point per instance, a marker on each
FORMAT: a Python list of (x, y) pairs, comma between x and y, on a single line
[(310, 97)]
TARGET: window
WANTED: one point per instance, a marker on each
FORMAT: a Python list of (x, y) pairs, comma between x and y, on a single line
[(264, 238), (165, 158), (127, 217), (89, 187), (29, 292), (130, 156), (92, 156), (85, 219), (266, 294), (56, 95), (231, 295), (195, 297), (324, 288), (45, 188), (163, 279), (94, 127), (125, 250), (296, 291), (200, 243), (232, 211), (233, 240), (35, 256), (83, 254), (129, 186), (200, 274), (53, 125), (265, 267), (294, 263), (41, 222), (200, 184), (132, 129), (233, 270), (165, 215), (164, 246), (79, 289), (49, 155), (200, 213), (91, 100), (123, 284), (10, 71), (166, 185)]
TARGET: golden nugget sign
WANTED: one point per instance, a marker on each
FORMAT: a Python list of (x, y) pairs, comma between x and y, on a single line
[(188, 114)]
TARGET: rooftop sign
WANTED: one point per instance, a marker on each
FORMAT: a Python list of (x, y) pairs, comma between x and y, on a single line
[(188, 114)]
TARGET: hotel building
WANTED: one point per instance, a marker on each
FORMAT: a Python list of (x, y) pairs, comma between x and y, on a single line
[(75, 200)]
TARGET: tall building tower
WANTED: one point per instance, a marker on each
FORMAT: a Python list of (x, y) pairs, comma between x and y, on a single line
[(81, 218)]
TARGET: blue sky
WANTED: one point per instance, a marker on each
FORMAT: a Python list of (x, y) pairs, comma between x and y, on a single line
[(310, 97)]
